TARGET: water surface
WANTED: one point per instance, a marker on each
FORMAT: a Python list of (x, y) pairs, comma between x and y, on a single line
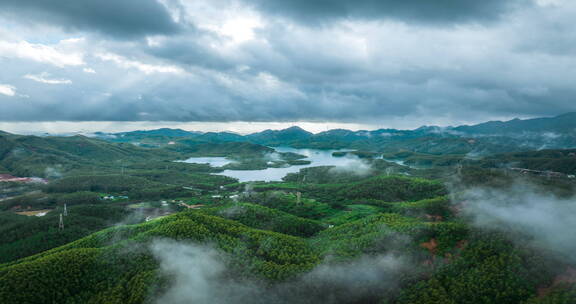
[(316, 157), (212, 161)]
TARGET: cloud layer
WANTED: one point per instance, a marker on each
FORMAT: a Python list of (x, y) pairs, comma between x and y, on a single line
[(127, 18), (371, 62), (416, 11)]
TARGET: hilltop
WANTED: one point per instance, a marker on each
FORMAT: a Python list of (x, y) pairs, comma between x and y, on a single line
[(485, 138)]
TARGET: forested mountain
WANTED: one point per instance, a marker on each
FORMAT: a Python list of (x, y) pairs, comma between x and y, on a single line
[(563, 124), (279, 137), (220, 137), (42, 156), (485, 138), (32, 155), (167, 132), (563, 161)]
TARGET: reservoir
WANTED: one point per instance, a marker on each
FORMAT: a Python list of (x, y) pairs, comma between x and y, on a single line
[(316, 157)]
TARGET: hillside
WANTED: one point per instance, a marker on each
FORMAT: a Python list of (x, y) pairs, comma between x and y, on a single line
[(485, 138), (42, 156), (402, 239), (242, 247), (279, 137), (564, 124), (563, 161)]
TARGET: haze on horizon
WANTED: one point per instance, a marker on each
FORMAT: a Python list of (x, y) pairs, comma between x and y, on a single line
[(249, 65)]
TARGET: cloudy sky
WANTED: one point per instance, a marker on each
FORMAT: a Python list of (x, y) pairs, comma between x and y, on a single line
[(250, 64)]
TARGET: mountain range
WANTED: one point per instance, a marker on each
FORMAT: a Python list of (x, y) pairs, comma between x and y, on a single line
[(25, 155), (489, 137)]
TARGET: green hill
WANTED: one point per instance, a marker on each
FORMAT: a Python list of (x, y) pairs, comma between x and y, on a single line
[(117, 266), (261, 217), (563, 161), (45, 156)]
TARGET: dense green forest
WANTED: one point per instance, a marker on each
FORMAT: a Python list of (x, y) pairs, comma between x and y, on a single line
[(150, 229)]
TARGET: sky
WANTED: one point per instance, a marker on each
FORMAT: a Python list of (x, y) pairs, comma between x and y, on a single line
[(247, 65)]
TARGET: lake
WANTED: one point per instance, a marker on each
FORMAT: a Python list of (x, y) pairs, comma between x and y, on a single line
[(212, 161), (316, 157)]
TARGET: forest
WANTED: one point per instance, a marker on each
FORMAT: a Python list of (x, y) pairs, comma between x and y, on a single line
[(151, 229)]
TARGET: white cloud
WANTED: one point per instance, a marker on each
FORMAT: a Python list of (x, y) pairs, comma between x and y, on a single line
[(44, 78), (549, 2), (40, 53), (232, 20), (263, 86), (8, 90), (89, 70), (240, 29), (73, 40), (144, 67)]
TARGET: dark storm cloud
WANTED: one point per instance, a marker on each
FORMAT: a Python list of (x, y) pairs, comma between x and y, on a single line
[(191, 50), (348, 70), (121, 18), (416, 11), (175, 98)]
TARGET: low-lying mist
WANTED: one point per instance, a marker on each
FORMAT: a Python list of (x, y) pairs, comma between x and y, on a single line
[(199, 275), (354, 166), (528, 210)]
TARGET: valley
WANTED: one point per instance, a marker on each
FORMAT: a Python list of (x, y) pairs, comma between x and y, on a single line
[(86, 220)]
